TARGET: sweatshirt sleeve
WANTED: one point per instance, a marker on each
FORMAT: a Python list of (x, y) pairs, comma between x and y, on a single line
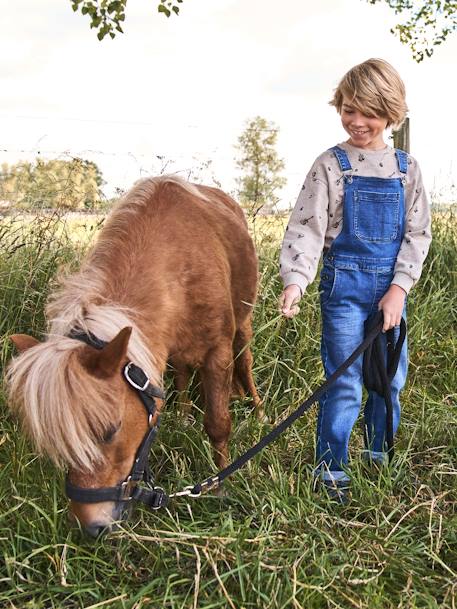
[(304, 237), (416, 242)]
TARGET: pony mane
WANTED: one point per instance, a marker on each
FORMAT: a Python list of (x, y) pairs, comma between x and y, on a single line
[(64, 408), (143, 190)]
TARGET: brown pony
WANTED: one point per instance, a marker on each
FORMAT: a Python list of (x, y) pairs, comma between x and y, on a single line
[(171, 278)]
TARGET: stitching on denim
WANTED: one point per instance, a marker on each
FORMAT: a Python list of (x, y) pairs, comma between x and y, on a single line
[(324, 397), (402, 160), (361, 237), (390, 197), (375, 291), (332, 289), (342, 158)]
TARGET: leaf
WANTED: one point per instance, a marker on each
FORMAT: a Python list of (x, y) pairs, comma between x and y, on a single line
[(163, 9)]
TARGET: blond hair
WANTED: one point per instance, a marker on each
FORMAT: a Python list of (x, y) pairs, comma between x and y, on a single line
[(374, 88)]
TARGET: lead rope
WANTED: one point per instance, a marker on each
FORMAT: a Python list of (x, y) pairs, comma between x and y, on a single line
[(379, 379), (377, 376)]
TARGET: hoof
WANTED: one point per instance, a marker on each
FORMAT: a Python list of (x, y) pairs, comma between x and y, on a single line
[(261, 416), (187, 419)]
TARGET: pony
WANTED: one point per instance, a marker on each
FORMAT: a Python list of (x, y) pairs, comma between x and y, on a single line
[(171, 280)]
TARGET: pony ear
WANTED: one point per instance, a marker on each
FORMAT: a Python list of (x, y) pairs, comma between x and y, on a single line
[(107, 361), (22, 342)]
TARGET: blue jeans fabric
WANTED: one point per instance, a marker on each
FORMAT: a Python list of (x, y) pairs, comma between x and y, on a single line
[(350, 293), (357, 272)]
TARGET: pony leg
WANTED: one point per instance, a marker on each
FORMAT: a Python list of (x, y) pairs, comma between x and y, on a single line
[(216, 376), (182, 376), (243, 367)]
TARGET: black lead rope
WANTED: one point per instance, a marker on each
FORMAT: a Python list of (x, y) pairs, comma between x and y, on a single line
[(379, 367), (376, 373)]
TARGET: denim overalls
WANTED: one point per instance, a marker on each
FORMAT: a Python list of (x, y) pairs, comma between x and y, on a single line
[(357, 271)]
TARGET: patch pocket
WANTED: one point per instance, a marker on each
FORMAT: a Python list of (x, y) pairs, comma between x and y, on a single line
[(327, 283), (376, 215)]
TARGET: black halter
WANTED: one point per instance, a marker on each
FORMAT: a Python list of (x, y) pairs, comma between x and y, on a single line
[(129, 489)]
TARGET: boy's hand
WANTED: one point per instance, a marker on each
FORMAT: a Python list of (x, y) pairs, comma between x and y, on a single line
[(288, 301), (391, 304)]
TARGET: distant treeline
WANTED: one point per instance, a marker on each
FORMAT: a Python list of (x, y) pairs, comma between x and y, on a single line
[(63, 184)]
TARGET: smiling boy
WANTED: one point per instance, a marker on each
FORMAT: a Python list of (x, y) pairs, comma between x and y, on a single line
[(364, 205)]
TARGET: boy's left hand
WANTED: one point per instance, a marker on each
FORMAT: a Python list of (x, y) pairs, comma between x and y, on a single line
[(391, 304)]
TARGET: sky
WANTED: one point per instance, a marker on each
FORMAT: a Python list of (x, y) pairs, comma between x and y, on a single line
[(175, 94)]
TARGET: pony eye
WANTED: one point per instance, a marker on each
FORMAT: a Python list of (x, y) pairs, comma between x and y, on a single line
[(109, 434)]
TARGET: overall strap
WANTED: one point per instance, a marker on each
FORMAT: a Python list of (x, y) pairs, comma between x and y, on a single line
[(342, 157), (402, 160)]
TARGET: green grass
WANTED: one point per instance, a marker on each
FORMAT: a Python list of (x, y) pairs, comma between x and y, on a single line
[(273, 542)]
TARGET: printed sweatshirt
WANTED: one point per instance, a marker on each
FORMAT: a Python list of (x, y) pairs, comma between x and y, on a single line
[(317, 217)]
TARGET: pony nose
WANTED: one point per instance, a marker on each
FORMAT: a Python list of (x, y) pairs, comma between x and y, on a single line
[(96, 530)]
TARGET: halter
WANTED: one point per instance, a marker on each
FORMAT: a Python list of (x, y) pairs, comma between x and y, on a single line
[(153, 497)]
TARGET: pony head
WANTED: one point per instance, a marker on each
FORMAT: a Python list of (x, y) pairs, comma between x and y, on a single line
[(77, 408)]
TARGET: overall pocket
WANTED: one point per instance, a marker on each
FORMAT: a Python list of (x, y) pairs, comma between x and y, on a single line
[(376, 215), (327, 283)]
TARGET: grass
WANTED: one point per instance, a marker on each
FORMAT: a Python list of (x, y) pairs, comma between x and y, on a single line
[(273, 542)]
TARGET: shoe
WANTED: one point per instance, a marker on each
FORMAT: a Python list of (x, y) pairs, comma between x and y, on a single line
[(375, 459), (338, 490)]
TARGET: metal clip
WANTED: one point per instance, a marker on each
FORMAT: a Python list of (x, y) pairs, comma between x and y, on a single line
[(131, 381), (187, 492), (210, 483)]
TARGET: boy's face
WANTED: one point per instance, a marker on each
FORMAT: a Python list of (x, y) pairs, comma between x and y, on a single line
[(364, 131)]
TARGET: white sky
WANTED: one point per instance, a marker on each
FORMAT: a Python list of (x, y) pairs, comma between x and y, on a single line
[(182, 88)]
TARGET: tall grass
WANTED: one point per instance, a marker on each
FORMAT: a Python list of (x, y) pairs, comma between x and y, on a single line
[(273, 542)]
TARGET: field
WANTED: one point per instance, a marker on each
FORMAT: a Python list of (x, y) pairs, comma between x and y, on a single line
[(272, 542)]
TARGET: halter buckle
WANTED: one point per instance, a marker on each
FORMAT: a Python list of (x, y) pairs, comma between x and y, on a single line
[(157, 507), (131, 381), (126, 489)]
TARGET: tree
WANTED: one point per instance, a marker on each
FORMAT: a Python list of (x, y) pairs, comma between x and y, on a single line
[(259, 161), (428, 22), (107, 15), (74, 184)]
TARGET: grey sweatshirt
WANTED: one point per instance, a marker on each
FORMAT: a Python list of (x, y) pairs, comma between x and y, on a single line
[(317, 217)]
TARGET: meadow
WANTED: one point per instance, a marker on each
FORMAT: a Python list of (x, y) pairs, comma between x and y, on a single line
[(272, 542)]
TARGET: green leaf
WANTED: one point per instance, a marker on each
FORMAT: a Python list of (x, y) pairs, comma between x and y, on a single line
[(163, 9)]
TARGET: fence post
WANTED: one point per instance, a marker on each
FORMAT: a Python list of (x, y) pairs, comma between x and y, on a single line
[(401, 137)]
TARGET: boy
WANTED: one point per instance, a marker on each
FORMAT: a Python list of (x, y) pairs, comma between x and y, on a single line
[(364, 205)]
